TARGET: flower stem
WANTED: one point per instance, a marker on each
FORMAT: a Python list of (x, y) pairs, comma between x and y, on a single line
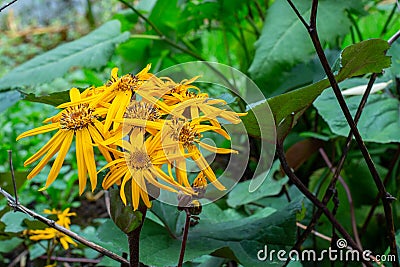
[(133, 240), (184, 238)]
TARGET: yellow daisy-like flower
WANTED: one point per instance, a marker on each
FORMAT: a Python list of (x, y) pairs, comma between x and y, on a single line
[(118, 93), (78, 120), (180, 136), (63, 216), (140, 163), (51, 233)]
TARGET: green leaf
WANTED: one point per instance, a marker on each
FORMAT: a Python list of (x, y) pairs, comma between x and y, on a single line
[(284, 41), (358, 59), (240, 194), (364, 57), (123, 215), (9, 98), (379, 122), (54, 99), (172, 219), (9, 245), (37, 250), (394, 52), (90, 51), (6, 180), (13, 221), (242, 238)]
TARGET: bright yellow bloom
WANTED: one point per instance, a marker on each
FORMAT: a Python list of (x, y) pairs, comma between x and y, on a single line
[(51, 233), (140, 163), (63, 216), (78, 120), (181, 136), (119, 92)]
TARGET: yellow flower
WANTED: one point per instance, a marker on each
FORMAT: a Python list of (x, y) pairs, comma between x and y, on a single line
[(63, 216), (118, 93), (181, 136), (140, 163), (78, 120), (139, 117), (51, 233)]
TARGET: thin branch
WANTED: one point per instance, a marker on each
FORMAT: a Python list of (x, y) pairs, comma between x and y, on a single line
[(313, 16), (7, 5), (52, 224), (296, 181), (385, 27), (184, 238), (355, 25), (259, 10), (13, 175), (329, 239), (162, 35), (66, 259), (376, 201), (394, 37), (318, 234), (385, 196), (298, 14), (348, 194)]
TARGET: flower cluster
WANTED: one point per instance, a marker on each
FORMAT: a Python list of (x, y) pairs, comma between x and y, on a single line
[(145, 127), (53, 234)]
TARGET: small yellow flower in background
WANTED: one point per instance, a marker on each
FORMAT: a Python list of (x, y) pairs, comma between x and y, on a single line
[(51, 233)]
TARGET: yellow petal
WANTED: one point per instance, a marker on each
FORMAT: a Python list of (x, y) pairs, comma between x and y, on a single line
[(115, 175), (44, 149), (122, 108), (82, 169), (122, 189), (52, 151), (135, 190), (181, 173), (60, 158), (88, 154), (218, 149), (39, 130), (74, 94)]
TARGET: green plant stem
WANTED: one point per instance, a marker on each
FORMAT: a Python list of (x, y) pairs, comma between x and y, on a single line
[(243, 41), (184, 238), (355, 25), (134, 240), (385, 27), (13, 175)]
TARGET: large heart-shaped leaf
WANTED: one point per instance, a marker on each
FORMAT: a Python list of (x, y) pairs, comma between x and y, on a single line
[(361, 58), (237, 238), (91, 51), (379, 122), (284, 41)]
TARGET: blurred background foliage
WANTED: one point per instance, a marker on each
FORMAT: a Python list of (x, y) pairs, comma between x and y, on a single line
[(263, 39)]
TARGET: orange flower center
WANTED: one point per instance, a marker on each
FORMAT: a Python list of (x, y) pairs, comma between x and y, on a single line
[(77, 117), (139, 160)]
